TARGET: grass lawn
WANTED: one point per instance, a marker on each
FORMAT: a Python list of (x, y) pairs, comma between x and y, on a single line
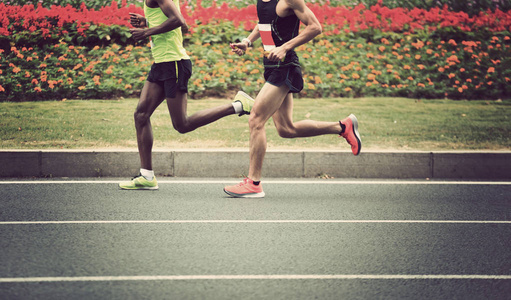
[(385, 124)]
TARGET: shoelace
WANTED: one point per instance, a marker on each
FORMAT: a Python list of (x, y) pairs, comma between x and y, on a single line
[(136, 176), (245, 181)]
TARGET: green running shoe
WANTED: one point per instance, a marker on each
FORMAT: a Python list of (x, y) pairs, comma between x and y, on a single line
[(246, 102), (139, 183)]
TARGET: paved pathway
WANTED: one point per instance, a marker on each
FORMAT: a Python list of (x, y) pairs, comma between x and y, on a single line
[(330, 239)]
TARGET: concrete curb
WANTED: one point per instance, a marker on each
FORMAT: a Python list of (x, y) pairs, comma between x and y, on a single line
[(495, 165)]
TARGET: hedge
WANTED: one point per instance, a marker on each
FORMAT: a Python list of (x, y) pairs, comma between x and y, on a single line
[(373, 51)]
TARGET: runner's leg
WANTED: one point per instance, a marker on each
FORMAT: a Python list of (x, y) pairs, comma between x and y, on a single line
[(151, 97), (183, 123), (283, 119), (267, 102)]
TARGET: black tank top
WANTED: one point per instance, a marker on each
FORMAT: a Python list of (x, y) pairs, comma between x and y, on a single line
[(275, 31)]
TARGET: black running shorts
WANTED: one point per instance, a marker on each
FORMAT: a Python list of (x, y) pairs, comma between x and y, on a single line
[(172, 76), (290, 76)]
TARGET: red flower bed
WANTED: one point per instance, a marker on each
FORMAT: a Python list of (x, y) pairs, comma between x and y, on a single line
[(57, 18), (335, 19), (403, 20)]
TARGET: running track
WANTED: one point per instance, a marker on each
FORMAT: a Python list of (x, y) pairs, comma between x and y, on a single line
[(326, 239)]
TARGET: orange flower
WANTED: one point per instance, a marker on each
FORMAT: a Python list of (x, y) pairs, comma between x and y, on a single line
[(460, 90), (81, 87), (371, 77), (410, 78), (452, 42), (406, 67), (355, 76), (381, 48), (329, 76), (441, 70), (127, 87), (348, 89), (491, 70), (37, 89), (421, 67), (16, 70), (2, 89), (311, 86), (452, 75), (417, 57)]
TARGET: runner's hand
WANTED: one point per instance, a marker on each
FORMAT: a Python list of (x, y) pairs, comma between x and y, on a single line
[(277, 54), (137, 21), (138, 34), (239, 48)]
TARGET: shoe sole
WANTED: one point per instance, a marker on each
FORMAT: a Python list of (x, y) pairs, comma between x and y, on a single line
[(139, 188), (247, 96), (253, 195), (355, 132)]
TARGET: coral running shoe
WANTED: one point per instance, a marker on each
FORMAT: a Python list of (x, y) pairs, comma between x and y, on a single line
[(246, 101), (245, 189), (351, 134), (139, 183)]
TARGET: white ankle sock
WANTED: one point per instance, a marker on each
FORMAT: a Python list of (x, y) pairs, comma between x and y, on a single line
[(148, 174), (238, 107)]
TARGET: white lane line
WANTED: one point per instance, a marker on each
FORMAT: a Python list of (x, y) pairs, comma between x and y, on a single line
[(367, 182), (252, 221), (257, 277)]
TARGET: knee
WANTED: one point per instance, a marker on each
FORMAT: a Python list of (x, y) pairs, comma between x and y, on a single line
[(286, 132), (182, 128), (141, 118), (255, 123)]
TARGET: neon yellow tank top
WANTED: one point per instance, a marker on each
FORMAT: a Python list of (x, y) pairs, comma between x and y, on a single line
[(166, 46)]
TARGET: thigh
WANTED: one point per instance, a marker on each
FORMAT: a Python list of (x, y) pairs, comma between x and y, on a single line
[(178, 108), (268, 101), (283, 117), (151, 97)]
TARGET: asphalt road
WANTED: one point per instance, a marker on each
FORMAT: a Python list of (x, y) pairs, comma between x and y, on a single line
[(324, 239)]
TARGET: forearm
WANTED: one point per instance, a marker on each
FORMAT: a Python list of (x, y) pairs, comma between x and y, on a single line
[(254, 35), (168, 25), (309, 33)]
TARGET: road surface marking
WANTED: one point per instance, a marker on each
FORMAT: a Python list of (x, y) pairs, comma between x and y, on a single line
[(257, 277), (344, 182), (252, 221)]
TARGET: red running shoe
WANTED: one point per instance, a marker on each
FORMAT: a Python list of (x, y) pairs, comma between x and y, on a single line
[(245, 189), (350, 133)]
